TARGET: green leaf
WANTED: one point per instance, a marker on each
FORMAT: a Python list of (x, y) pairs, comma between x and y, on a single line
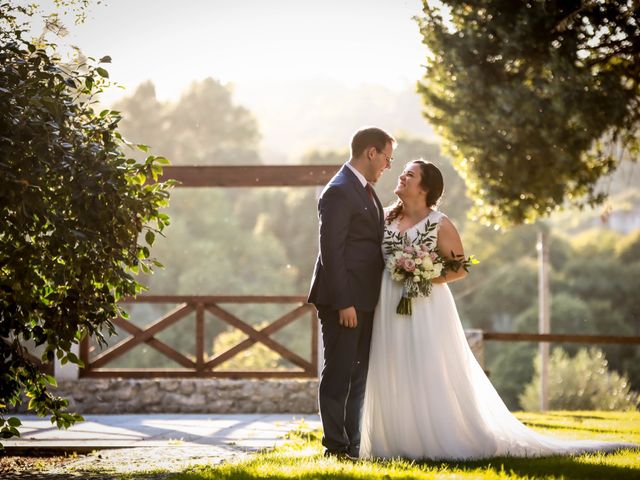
[(51, 380), (14, 422), (150, 237), (73, 358), (102, 72)]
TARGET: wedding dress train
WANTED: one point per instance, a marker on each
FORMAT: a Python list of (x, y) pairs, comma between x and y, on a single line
[(426, 395)]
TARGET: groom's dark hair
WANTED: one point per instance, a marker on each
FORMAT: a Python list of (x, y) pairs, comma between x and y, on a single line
[(369, 137)]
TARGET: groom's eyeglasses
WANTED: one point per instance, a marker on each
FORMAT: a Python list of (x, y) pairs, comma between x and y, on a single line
[(389, 159)]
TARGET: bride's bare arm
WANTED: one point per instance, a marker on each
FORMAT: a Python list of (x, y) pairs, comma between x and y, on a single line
[(449, 241)]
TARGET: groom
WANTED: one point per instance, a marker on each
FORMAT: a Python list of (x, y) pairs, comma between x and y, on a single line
[(346, 285)]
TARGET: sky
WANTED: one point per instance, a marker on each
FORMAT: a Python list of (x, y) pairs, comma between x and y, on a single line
[(252, 42)]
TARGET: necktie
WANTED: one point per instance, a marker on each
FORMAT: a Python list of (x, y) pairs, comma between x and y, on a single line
[(369, 190)]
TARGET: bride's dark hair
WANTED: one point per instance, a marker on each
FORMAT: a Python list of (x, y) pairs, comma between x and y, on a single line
[(430, 180)]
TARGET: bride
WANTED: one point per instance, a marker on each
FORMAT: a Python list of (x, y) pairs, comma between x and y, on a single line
[(426, 395)]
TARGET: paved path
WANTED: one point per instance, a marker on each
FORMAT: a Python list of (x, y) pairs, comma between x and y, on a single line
[(138, 443)]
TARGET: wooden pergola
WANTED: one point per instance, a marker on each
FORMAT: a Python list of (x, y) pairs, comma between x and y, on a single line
[(251, 175)]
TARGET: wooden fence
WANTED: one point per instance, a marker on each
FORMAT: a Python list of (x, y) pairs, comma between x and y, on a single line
[(561, 338), (202, 365)]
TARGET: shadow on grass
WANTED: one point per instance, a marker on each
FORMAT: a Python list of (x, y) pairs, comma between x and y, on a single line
[(576, 417), (84, 476), (573, 427), (317, 468), (566, 467)]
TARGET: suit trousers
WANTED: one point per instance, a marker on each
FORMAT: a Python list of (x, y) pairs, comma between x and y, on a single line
[(343, 379)]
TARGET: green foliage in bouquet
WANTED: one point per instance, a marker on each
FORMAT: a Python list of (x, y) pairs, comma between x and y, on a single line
[(416, 262)]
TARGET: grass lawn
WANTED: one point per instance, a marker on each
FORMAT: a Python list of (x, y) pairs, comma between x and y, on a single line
[(302, 457)]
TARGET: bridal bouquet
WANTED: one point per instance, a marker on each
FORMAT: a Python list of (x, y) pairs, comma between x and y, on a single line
[(415, 265)]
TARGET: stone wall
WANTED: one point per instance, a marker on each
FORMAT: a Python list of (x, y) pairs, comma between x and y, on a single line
[(187, 395), (200, 395)]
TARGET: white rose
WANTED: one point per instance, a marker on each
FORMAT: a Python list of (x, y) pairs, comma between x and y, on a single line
[(416, 279)]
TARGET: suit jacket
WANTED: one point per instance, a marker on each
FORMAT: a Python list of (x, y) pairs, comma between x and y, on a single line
[(349, 267)]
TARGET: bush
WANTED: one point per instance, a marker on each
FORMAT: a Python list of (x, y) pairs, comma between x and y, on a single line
[(582, 382), (75, 210)]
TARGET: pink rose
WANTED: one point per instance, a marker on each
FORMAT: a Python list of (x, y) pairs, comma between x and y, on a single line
[(409, 265), (433, 256), (421, 254), (408, 249), (424, 247)]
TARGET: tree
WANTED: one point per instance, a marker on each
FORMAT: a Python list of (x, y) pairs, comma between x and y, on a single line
[(73, 209), (511, 369), (204, 127), (528, 94), (593, 294), (582, 382)]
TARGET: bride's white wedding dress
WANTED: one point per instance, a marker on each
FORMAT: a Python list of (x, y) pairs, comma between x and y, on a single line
[(427, 397)]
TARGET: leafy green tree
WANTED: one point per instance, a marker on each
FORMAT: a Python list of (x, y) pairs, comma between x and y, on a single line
[(608, 286), (207, 250), (628, 249), (523, 92), (204, 127), (592, 293), (569, 313), (144, 118), (583, 382), (222, 241), (510, 369), (74, 210)]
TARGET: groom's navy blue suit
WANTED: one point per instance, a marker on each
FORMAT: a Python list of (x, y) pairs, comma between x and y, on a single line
[(347, 273)]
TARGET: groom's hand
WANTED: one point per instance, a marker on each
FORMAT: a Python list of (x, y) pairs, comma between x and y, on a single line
[(348, 317)]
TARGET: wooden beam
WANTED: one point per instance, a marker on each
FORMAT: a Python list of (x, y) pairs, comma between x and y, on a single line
[(560, 338), (208, 299), (178, 313), (182, 373), (258, 336), (199, 336), (250, 175), (84, 352), (162, 347), (268, 330)]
